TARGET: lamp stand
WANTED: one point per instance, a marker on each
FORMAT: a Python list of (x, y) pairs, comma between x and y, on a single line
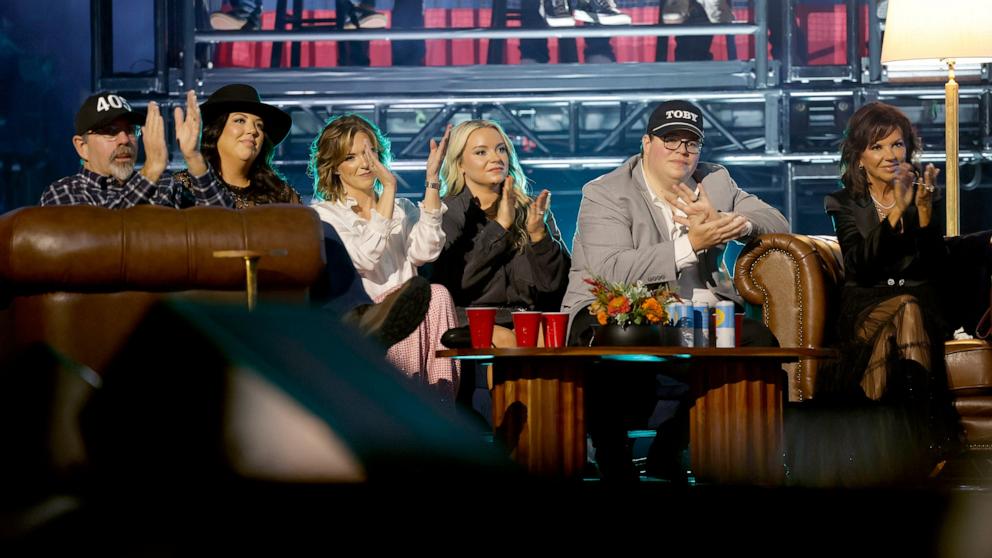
[(951, 142)]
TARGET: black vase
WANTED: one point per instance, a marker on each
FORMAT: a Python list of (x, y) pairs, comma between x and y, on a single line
[(645, 335)]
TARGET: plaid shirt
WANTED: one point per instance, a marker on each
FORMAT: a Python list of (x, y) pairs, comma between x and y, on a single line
[(90, 188)]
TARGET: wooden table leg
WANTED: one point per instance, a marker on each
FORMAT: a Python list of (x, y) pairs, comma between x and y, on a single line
[(539, 414), (736, 425)]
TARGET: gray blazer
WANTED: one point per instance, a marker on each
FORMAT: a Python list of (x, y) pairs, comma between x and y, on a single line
[(622, 235)]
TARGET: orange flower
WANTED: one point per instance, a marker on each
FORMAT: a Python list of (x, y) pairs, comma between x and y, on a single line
[(618, 305), (601, 317), (652, 310)]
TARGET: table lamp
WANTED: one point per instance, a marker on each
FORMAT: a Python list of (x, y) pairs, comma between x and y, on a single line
[(928, 35)]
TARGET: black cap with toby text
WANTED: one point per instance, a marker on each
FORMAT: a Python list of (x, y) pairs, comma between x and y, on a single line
[(102, 109), (671, 116)]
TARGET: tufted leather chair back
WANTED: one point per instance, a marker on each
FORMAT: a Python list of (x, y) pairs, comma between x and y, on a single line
[(80, 278)]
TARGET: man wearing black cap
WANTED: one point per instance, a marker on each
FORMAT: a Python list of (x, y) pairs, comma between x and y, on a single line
[(106, 140), (662, 217)]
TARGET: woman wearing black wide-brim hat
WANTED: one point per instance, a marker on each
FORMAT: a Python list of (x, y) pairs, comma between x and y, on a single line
[(240, 134)]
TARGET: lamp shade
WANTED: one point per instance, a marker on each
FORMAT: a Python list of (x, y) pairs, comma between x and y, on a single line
[(925, 33)]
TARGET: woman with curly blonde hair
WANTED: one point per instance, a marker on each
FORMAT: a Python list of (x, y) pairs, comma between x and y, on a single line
[(502, 248), (387, 237)]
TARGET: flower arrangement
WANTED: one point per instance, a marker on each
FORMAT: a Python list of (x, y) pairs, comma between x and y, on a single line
[(625, 304)]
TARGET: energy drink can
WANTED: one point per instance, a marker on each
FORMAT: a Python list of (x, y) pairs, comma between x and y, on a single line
[(701, 324), (724, 318), (682, 320)]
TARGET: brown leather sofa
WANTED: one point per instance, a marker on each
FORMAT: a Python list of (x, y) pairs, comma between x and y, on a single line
[(795, 279), (78, 279)]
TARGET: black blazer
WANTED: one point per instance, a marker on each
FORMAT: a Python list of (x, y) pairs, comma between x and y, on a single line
[(875, 254), (480, 267)]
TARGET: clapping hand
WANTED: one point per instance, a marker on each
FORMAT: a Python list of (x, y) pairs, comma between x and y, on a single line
[(924, 194), (153, 138), (382, 174), (506, 211), (693, 204), (432, 195), (705, 225), (387, 198), (436, 156), (902, 186), (188, 134), (536, 215), (719, 230)]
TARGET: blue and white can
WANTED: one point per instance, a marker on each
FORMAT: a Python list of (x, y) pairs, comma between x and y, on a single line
[(681, 318), (724, 318), (701, 324)]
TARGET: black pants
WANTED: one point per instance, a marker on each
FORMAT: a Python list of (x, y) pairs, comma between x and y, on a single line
[(688, 48), (625, 396), (407, 14)]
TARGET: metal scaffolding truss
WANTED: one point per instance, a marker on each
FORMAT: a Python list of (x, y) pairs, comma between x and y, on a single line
[(775, 122), (558, 126)]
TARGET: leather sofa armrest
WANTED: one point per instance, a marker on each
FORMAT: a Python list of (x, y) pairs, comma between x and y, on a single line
[(787, 276), (795, 285)]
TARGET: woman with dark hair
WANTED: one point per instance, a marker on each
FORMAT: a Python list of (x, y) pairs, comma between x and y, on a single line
[(896, 309), (387, 237), (502, 247), (893, 254), (240, 134), (239, 137)]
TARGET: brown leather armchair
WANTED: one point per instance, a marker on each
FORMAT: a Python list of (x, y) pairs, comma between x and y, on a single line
[(78, 279), (796, 279)]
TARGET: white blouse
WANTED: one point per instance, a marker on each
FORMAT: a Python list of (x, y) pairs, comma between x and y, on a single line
[(386, 253)]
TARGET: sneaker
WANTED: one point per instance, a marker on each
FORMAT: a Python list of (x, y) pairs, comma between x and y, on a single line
[(557, 13), (675, 12), (221, 21), (397, 316), (362, 17), (601, 12)]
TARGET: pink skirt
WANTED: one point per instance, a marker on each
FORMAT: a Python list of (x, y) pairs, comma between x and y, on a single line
[(414, 356)]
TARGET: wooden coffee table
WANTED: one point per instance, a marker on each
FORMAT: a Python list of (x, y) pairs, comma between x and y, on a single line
[(736, 426)]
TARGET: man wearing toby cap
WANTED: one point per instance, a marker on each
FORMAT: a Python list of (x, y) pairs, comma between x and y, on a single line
[(106, 140), (661, 217)]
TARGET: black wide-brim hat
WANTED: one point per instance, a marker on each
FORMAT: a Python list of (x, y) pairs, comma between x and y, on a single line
[(239, 97)]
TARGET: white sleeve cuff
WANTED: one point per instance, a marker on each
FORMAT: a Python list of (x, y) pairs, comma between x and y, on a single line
[(684, 256), (432, 216)]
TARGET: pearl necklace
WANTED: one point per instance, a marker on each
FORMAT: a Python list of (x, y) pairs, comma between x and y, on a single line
[(880, 208)]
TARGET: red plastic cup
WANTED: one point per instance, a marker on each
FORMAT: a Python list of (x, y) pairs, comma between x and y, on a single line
[(526, 326), (738, 328), (480, 325), (555, 325)]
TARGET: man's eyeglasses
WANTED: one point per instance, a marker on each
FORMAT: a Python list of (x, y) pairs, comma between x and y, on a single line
[(112, 130), (691, 146)]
